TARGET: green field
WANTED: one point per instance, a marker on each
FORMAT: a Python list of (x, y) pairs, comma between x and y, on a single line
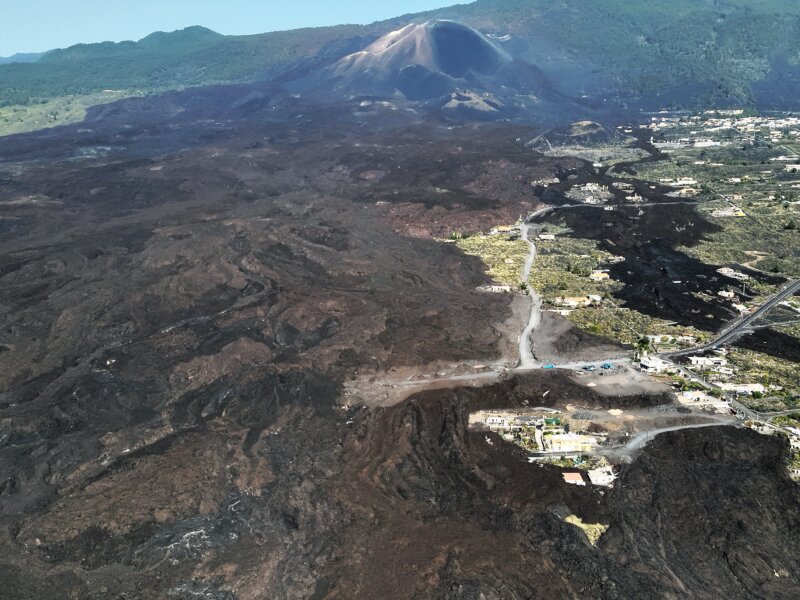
[(51, 113)]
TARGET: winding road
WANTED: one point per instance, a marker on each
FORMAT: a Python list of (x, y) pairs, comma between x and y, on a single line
[(639, 440)]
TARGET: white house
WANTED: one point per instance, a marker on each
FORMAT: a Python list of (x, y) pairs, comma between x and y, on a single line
[(603, 476), (653, 364), (708, 361), (499, 421)]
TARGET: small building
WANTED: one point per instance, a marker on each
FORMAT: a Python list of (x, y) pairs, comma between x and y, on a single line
[(524, 421), (569, 443), (701, 399), (708, 361), (547, 237), (726, 294), (501, 229), (599, 276), (794, 438), (604, 476), (728, 272), (653, 364), (732, 211), (574, 302), (496, 289), (574, 478), (498, 421)]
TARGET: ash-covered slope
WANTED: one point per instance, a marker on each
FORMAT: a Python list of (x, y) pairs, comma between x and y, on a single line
[(422, 61), (446, 66)]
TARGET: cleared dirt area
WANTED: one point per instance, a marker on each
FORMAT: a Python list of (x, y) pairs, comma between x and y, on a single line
[(558, 340)]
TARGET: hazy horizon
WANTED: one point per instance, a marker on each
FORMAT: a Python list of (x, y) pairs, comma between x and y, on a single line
[(87, 21)]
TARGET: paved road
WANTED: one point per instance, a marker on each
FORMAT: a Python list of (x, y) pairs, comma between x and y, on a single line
[(638, 441), (741, 325)]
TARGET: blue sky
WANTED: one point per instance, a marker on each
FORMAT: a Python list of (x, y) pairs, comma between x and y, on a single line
[(37, 25)]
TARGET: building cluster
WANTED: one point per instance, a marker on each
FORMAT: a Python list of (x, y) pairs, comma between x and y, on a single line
[(734, 121), (546, 434), (717, 371), (602, 477), (714, 363), (590, 193), (725, 129)]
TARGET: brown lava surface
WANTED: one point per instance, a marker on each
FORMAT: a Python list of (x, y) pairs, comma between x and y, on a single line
[(187, 281)]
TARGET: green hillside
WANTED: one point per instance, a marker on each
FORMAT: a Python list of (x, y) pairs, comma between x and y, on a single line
[(161, 61), (698, 52), (694, 51)]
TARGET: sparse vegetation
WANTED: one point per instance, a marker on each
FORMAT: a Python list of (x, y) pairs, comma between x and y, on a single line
[(562, 269), (787, 420), (756, 367), (593, 531), (627, 326), (505, 257)]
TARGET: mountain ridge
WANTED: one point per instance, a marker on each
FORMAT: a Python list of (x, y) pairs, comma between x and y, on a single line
[(683, 54)]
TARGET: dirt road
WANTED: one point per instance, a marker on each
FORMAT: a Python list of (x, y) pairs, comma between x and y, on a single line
[(526, 360)]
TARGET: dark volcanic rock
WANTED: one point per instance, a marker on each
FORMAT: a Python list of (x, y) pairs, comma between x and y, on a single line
[(189, 285), (709, 516)]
